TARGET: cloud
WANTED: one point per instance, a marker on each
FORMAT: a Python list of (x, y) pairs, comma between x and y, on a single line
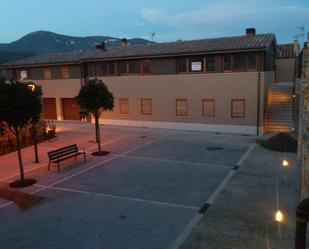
[(230, 14)]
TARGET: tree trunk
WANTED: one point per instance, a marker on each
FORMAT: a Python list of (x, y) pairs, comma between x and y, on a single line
[(21, 167), (35, 144), (98, 132)]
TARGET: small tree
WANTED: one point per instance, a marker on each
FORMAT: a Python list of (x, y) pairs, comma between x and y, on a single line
[(19, 106), (94, 97)]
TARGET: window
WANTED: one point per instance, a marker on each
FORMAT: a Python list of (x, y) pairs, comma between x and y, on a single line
[(124, 106), (134, 67), (65, 73), (47, 74), (182, 65), (181, 107), (252, 62), (239, 62), (146, 107), (146, 66), (227, 63), (196, 64), (107, 68), (238, 108), (123, 67), (22, 74), (211, 63), (208, 107)]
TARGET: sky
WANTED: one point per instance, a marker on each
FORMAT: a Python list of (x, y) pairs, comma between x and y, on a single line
[(169, 19)]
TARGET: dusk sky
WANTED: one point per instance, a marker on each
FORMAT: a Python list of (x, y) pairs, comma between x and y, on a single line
[(169, 19)]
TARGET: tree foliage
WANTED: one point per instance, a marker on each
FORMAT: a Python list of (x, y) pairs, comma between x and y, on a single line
[(20, 105), (94, 98)]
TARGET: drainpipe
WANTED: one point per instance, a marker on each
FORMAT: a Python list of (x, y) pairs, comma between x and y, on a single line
[(258, 104)]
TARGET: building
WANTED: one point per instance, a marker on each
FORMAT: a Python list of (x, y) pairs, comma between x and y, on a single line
[(287, 62), (219, 85)]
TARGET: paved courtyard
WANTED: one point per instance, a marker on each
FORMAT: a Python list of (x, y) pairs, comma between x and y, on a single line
[(144, 194)]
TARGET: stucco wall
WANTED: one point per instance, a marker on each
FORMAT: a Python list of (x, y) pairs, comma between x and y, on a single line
[(285, 70), (164, 90)]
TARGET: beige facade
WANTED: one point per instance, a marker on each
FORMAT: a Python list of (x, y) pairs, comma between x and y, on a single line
[(285, 69), (164, 90)]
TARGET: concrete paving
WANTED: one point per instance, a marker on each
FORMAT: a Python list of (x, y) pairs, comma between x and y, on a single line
[(142, 195)]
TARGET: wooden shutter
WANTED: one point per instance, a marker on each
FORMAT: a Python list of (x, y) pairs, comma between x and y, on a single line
[(208, 107), (181, 107), (146, 107), (124, 106), (238, 108)]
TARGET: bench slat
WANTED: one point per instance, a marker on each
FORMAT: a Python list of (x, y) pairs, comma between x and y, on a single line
[(59, 154), (73, 146)]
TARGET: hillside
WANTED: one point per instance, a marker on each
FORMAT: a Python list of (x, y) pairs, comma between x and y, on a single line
[(48, 42)]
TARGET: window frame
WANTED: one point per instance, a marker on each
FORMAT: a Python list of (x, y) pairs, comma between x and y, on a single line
[(248, 61), (177, 64), (120, 100), (45, 70), (214, 107), (182, 115), (62, 72), (147, 99), (231, 63), (244, 112), (215, 64), (142, 66), (139, 64), (189, 62)]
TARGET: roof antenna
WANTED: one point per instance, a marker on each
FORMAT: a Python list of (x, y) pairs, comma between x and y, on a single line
[(152, 36), (300, 33)]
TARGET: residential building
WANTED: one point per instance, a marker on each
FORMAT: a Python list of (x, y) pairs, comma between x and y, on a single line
[(218, 85)]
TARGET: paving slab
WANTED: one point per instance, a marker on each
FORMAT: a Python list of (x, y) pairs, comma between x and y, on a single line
[(243, 214), (193, 151), (153, 180), (72, 220)]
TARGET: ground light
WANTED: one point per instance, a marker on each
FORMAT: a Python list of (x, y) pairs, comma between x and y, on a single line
[(285, 163), (279, 216)]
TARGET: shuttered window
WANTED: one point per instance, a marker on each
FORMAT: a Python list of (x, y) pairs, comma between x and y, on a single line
[(47, 74), (65, 73), (181, 107), (146, 108), (124, 106), (146, 66), (208, 107), (238, 107)]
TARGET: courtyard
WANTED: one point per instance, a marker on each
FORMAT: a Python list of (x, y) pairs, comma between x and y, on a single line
[(154, 188)]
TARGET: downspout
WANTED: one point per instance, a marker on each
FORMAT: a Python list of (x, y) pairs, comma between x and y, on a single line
[(258, 104)]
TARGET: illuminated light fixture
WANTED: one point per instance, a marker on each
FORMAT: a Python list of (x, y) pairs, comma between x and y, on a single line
[(279, 216), (32, 86), (285, 163), (294, 95), (292, 129)]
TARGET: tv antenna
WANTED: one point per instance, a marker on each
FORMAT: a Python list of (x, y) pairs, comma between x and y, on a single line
[(300, 33), (152, 36)]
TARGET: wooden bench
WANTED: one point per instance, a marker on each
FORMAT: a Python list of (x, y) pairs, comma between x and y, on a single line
[(61, 154)]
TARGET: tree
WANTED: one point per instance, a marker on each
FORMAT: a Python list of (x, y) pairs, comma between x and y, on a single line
[(19, 106), (94, 98)]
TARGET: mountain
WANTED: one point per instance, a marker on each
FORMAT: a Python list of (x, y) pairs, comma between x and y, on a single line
[(48, 42)]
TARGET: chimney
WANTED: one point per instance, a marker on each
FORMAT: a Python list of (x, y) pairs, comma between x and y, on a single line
[(250, 31), (295, 47), (124, 42), (100, 46)]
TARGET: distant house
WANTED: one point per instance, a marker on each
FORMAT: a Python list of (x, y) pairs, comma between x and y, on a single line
[(218, 84), (287, 62)]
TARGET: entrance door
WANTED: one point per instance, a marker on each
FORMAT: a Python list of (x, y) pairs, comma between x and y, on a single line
[(70, 109), (49, 108)]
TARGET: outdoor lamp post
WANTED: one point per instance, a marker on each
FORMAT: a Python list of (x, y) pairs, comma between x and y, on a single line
[(302, 217)]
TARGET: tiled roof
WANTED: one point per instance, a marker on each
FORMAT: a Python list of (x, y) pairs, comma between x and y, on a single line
[(237, 43), (286, 51)]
